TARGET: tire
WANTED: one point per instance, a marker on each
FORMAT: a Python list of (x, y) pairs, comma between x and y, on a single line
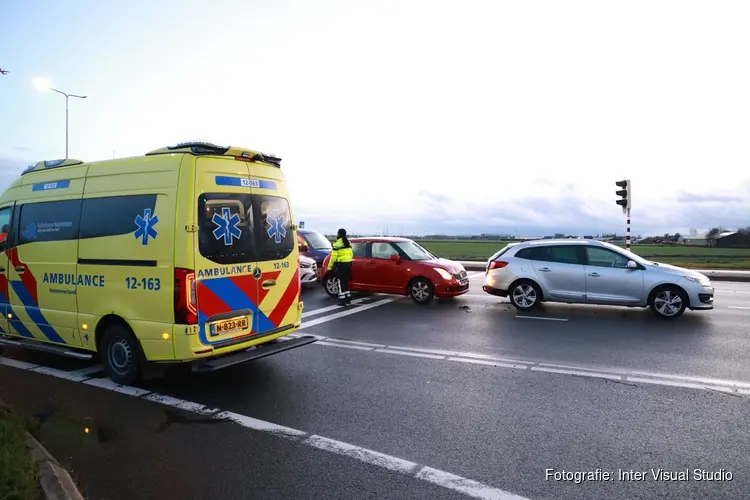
[(120, 354), (669, 302), (525, 295), (331, 285), (421, 291)]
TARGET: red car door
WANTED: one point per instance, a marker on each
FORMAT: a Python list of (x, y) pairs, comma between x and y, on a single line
[(359, 266), (384, 274)]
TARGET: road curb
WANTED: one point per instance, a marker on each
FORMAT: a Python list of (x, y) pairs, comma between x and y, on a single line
[(54, 480), (714, 275)]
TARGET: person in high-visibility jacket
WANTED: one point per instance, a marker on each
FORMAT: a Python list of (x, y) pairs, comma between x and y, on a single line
[(341, 263)]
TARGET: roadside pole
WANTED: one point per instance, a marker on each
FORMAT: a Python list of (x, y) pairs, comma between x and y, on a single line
[(627, 232)]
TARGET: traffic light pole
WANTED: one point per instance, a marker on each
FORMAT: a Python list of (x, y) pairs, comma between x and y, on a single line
[(627, 232)]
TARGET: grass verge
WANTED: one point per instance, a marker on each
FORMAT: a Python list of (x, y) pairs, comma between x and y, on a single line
[(683, 255), (18, 473)]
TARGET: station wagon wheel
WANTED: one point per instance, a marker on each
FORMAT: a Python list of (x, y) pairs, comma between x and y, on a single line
[(669, 302), (421, 291), (120, 355), (525, 295), (331, 285)]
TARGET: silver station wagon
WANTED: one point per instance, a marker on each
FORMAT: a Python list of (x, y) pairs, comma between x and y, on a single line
[(593, 272)]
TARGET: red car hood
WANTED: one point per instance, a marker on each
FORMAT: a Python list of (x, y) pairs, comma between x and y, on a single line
[(449, 265)]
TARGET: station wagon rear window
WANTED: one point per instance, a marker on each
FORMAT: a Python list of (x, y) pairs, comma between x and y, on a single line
[(238, 228)]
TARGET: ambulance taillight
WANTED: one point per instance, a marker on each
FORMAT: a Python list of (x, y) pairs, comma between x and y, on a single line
[(185, 297)]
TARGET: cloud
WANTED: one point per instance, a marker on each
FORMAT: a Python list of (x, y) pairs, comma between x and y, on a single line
[(686, 197), (10, 169)]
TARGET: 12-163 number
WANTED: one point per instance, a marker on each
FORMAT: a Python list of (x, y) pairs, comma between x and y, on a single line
[(151, 284)]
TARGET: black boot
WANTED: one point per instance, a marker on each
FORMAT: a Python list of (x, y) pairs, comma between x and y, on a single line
[(348, 299), (342, 302)]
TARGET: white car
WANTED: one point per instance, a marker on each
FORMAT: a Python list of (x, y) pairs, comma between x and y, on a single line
[(307, 270)]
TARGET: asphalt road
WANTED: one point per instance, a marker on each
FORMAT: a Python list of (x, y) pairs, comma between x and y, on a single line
[(462, 386)]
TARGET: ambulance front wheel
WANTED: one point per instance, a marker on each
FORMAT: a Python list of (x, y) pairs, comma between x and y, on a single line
[(120, 355)]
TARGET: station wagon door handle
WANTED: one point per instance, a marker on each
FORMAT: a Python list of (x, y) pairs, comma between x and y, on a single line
[(20, 269), (594, 275), (269, 283), (372, 262), (2, 269), (545, 269)]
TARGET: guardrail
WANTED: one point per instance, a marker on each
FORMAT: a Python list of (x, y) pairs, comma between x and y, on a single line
[(713, 274)]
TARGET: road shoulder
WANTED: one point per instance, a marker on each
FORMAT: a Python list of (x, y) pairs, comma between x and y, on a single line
[(54, 481)]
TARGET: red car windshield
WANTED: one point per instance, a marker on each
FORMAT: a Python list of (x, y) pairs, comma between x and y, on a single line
[(414, 251)]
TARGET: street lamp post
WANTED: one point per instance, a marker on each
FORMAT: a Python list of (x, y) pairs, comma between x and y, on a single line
[(43, 86)]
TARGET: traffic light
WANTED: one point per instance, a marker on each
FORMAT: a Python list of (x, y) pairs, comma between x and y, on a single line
[(624, 194)]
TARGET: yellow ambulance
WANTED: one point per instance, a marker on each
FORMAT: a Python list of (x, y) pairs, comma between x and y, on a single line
[(187, 254)]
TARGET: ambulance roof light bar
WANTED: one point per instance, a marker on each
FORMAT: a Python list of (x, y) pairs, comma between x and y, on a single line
[(207, 148), (48, 164)]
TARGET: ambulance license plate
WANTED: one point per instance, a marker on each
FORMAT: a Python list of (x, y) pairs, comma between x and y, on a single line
[(229, 326)]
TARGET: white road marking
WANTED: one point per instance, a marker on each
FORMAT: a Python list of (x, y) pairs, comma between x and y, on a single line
[(363, 454), (180, 404), (345, 346), (685, 381), (72, 376), (475, 274), (576, 372), (739, 307), (315, 312), (89, 370), (106, 383), (23, 365), (343, 314), (437, 477), (352, 342), (414, 354), (541, 318), (261, 425), (488, 363), (462, 485), (428, 351)]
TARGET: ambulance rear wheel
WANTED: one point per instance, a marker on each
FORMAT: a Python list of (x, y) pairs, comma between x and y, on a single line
[(120, 355)]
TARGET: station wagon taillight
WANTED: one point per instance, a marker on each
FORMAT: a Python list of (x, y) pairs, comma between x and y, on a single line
[(185, 297), (497, 264)]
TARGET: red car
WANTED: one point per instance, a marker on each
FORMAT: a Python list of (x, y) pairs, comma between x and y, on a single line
[(399, 266)]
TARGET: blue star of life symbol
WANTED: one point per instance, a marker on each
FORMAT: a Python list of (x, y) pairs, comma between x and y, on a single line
[(226, 226), (146, 226), (276, 228)]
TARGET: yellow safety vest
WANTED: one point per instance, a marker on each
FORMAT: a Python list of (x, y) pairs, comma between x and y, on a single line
[(340, 254)]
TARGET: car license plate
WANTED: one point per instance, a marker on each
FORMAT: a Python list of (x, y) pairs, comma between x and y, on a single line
[(229, 326)]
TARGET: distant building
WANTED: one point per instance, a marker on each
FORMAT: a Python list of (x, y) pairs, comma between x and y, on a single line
[(733, 239), (695, 240)]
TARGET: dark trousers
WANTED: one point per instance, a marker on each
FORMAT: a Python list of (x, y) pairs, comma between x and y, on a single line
[(344, 274)]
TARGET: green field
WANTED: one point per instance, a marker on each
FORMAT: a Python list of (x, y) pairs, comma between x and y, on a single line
[(678, 255)]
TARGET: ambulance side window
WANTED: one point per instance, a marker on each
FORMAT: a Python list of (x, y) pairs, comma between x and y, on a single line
[(4, 226), (114, 215), (49, 221), (226, 228), (274, 238)]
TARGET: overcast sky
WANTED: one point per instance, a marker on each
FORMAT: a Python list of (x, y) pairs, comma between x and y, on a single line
[(499, 116)]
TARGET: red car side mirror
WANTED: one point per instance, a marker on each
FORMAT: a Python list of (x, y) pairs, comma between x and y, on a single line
[(395, 258)]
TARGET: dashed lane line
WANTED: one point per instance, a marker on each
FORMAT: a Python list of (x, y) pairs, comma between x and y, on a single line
[(618, 374), (438, 477), (742, 308)]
